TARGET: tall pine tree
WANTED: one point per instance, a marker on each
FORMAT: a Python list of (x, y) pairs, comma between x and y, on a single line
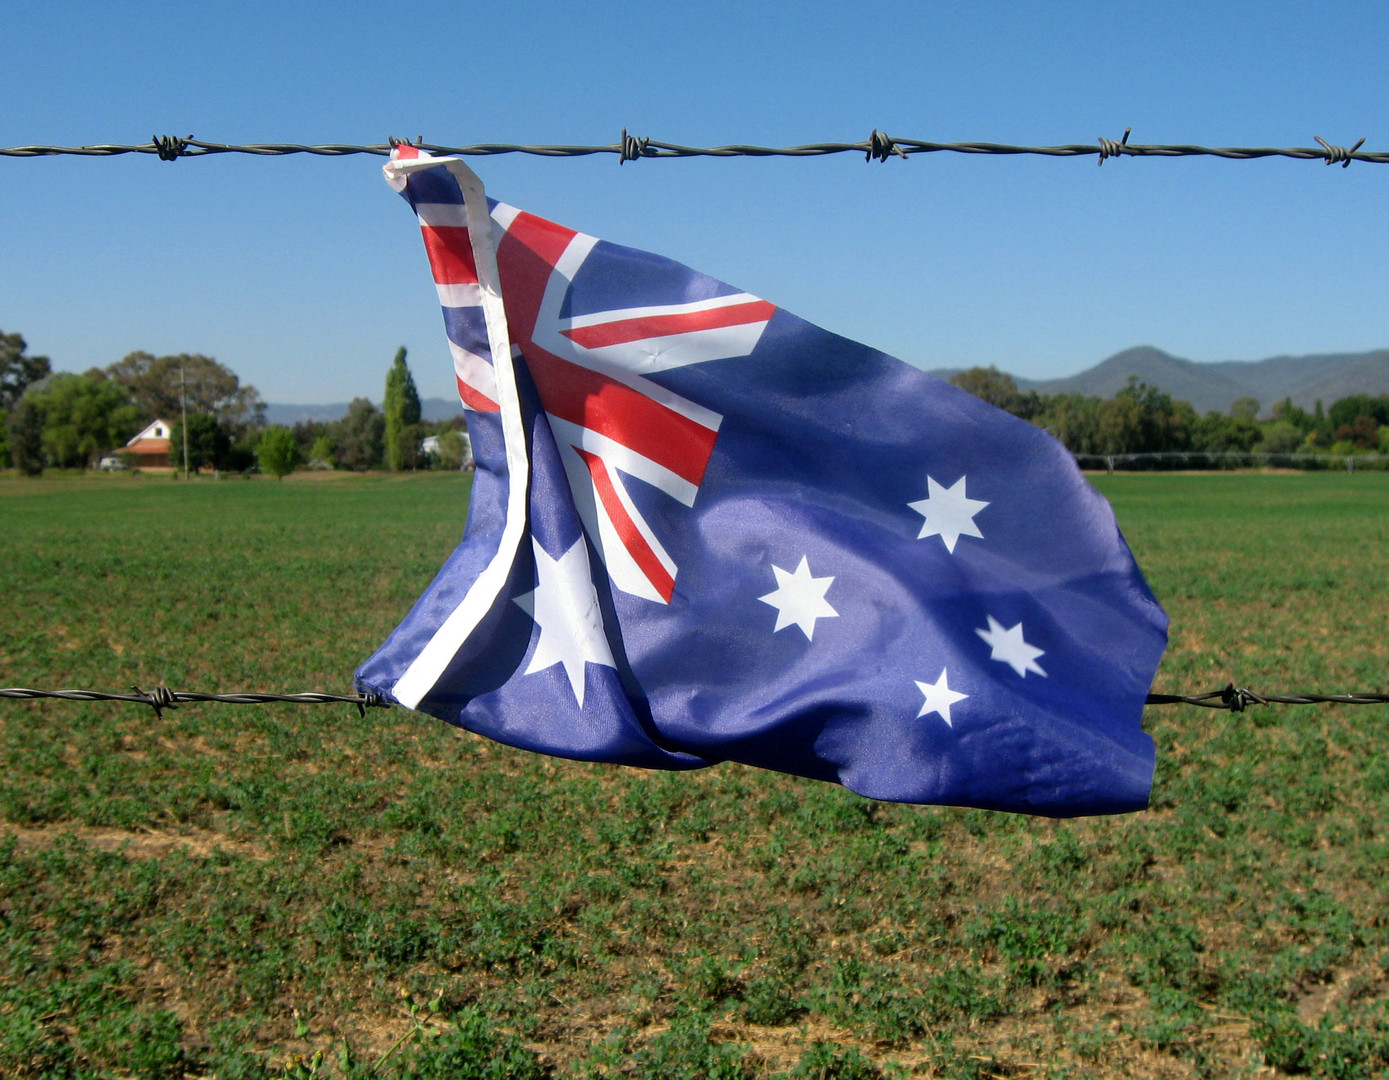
[(402, 409)]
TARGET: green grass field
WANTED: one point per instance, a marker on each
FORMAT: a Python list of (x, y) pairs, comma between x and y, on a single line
[(240, 891)]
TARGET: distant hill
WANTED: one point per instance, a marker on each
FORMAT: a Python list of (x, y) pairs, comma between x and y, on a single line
[(1307, 378), (1200, 384), (1215, 386), (431, 409)]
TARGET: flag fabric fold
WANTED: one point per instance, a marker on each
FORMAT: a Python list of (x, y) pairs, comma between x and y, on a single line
[(704, 530)]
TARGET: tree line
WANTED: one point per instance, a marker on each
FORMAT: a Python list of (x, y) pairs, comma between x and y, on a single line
[(1142, 419), (63, 420), (54, 419)]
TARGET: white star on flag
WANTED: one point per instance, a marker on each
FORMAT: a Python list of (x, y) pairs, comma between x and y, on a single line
[(1009, 647), (564, 605), (948, 513), (939, 697), (799, 599)]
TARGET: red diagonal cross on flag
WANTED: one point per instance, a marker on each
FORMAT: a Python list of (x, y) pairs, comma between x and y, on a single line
[(611, 422)]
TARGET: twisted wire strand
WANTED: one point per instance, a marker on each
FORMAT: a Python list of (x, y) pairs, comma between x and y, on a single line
[(1231, 697), (632, 148), (161, 697)]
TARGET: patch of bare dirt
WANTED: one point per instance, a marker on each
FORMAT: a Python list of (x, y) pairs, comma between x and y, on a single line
[(137, 843)]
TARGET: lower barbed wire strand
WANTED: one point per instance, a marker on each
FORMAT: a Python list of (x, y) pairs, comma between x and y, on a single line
[(1230, 697), (166, 698)]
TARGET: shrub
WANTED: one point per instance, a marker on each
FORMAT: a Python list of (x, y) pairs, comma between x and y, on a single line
[(278, 452)]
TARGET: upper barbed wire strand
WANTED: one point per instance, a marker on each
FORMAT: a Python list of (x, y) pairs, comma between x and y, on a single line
[(632, 148)]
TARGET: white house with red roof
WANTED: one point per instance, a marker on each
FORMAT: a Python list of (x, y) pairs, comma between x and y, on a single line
[(151, 446)]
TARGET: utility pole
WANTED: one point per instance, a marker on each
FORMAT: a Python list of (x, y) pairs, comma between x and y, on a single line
[(183, 408)]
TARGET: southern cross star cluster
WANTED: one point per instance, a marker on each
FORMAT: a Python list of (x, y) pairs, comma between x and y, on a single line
[(564, 605)]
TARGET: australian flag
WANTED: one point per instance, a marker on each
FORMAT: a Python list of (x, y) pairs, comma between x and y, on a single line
[(704, 530)]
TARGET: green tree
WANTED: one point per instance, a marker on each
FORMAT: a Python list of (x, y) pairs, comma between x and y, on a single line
[(1072, 418), (307, 433), (278, 451), (1347, 410), (1281, 437), (24, 431), (322, 451), (453, 448), (17, 371), (1245, 408), (241, 457), (159, 385), (1138, 419), (208, 442), (1319, 435), (84, 418), (360, 436), (999, 389), (1219, 433), (402, 409), (1294, 414), (412, 456), (1142, 419)]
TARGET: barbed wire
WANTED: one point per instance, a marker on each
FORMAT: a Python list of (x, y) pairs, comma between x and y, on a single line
[(1231, 697), (878, 146), (1238, 698), (161, 698)]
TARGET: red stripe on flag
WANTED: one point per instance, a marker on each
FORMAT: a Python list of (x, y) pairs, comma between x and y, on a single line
[(475, 399), (627, 531), (626, 416), (450, 254), (650, 326), (526, 258)]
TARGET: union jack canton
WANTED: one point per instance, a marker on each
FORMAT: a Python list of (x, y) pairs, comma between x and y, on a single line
[(702, 529)]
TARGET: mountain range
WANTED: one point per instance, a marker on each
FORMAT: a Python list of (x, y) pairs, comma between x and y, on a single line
[(1324, 377)]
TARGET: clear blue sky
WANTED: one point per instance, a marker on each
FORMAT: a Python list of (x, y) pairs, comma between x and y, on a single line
[(304, 274)]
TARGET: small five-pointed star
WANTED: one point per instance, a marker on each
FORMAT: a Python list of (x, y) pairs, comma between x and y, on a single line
[(799, 599), (948, 513), (564, 605), (939, 697), (1009, 647)]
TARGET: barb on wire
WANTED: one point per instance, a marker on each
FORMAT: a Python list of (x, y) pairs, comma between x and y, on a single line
[(881, 147), (1231, 697), (169, 147), (158, 699), (1109, 148), (1339, 153), (630, 148)]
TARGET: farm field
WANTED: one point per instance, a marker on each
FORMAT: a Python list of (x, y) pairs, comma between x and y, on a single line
[(246, 891)]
